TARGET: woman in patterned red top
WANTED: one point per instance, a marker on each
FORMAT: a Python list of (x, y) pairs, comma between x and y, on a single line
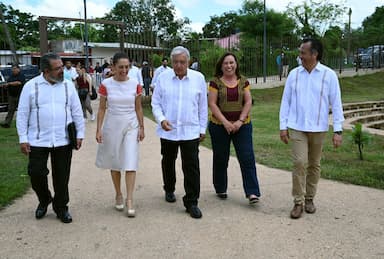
[(230, 102), (123, 128)]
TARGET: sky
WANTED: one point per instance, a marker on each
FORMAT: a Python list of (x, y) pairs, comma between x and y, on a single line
[(198, 11)]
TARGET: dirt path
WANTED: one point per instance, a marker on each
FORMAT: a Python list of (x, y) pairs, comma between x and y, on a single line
[(349, 222)]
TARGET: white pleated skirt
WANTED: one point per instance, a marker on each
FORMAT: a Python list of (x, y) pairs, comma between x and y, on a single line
[(120, 147)]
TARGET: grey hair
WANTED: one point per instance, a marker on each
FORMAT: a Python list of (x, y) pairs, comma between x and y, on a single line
[(45, 61), (180, 50)]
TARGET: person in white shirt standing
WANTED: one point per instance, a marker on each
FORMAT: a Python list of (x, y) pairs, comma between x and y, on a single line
[(164, 67), (310, 90), (179, 104), (135, 73), (48, 103), (70, 72)]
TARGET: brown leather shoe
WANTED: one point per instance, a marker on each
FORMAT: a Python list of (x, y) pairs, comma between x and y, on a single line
[(309, 206), (297, 211)]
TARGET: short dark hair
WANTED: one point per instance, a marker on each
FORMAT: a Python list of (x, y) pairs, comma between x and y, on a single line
[(164, 59), (317, 46), (45, 61), (15, 66), (219, 72), (118, 56)]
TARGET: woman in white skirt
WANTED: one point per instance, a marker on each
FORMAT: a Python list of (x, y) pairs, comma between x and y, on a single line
[(119, 134)]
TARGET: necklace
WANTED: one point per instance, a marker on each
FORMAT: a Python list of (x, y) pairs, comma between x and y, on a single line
[(230, 82)]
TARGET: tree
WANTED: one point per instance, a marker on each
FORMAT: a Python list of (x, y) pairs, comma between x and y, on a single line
[(23, 28), (221, 26), (251, 21), (145, 21), (314, 17), (373, 27)]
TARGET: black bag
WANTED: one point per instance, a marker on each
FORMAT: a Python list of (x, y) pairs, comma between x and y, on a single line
[(94, 93), (72, 135)]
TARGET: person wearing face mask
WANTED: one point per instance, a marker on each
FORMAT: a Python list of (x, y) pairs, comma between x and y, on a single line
[(48, 103), (120, 128), (230, 102)]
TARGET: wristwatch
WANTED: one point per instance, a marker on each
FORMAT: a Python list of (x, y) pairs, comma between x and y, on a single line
[(338, 132)]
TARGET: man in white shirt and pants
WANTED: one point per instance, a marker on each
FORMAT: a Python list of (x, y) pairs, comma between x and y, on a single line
[(310, 90), (179, 104), (164, 67), (47, 104)]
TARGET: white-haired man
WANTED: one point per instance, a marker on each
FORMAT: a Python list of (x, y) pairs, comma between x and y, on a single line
[(179, 104)]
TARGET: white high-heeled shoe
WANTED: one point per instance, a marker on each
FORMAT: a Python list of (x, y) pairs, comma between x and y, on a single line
[(130, 210), (119, 204)]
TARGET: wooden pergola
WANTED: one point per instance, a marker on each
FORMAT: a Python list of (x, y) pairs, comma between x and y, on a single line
[(44, 33)]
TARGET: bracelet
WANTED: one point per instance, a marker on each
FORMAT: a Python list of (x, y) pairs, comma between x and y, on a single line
[(243, 121)]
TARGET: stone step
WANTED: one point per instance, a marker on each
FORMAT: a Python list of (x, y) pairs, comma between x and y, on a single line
[(363, 112), (363, 105)]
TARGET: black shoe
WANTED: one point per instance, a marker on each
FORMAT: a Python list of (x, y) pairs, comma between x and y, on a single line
[(64, 216), (4, 125), (194, 211), (41, 210), (222, 195), (170, 197)]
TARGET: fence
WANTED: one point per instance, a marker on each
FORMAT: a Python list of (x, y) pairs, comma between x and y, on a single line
[(251, 53)]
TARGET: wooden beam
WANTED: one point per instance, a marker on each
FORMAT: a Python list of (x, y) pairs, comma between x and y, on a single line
[(82, 20)]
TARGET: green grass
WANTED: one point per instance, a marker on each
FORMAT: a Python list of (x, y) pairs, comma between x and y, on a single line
[(340, 164), (14, 180)]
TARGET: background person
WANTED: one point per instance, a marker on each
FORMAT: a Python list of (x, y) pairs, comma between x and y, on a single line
[(70, 72), (179, 104), (14, 86), (119, 133), (230, 101), (84, 87), (309, 91), (47, 104), (164, 66), (146, 74)]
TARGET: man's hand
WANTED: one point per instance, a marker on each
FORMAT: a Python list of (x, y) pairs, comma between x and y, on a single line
[(25, 148), (337, 140), (284, 136), (78, 144), (166, 125), (202, 137)]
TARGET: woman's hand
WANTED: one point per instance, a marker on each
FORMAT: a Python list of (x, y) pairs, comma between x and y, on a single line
[(141, 135), (99, 136), (229, 127), (237, 125)]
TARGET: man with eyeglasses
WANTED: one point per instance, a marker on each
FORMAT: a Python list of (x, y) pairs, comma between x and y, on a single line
[(179, 104), (48, 103)]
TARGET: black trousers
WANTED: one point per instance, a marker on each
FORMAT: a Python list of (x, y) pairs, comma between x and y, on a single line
[(13, 101), (38, 171), (189, 150)]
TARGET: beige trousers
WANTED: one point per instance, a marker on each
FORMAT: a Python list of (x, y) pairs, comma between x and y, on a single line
[(306, 154)]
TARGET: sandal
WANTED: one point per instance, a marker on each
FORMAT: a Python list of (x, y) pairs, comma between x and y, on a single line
[(253, 199)]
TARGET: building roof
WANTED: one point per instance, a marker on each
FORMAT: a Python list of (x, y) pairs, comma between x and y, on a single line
[(115, 45), (18, 52)]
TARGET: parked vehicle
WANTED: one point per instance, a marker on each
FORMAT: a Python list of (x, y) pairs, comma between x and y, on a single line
[(372, 57)]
